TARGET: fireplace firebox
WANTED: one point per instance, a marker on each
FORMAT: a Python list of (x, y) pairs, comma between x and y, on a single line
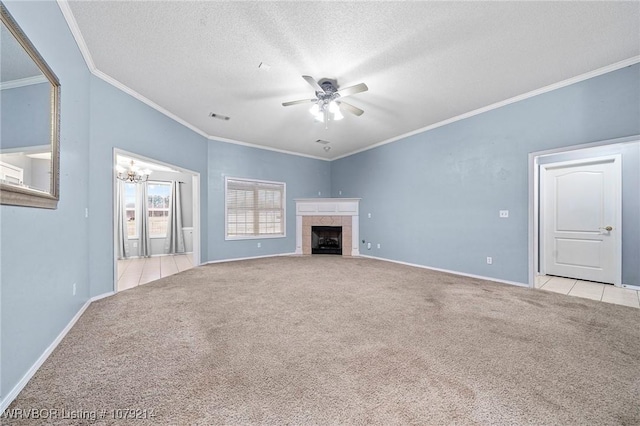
[(326, 240)]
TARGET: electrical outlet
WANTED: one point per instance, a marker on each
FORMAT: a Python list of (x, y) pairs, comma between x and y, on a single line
[(368, 246), (378, 245), (489, 260), (319, 193), (259, 245), (339, 192), (369, 215), (504, 213), (86, 212), (74, 289)]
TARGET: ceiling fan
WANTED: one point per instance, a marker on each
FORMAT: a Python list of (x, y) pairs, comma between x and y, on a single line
[(327, 104)]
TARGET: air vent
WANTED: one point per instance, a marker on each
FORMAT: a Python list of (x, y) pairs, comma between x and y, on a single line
[(219, 116), (322, 142)]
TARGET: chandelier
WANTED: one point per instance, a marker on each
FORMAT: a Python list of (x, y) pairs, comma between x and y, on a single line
[(132, 174)]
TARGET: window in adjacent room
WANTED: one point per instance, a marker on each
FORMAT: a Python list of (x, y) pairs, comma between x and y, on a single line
[(158, 198), (130, 197), (254, 209)]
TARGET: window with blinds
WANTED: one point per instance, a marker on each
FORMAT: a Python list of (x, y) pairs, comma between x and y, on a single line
[(254, 209)]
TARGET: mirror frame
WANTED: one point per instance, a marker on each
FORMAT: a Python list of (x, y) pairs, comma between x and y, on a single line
[(15, 195)]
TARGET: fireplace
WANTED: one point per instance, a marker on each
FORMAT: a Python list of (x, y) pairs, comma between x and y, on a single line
[(327, 214), (326, 240)]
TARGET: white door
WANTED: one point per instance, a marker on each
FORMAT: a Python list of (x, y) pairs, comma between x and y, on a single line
[(580, 217)]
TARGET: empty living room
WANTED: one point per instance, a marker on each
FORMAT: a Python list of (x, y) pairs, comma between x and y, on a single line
[(319, 212)]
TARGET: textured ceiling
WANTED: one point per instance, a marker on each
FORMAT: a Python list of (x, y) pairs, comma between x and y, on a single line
[(424, 62), (15, 63)]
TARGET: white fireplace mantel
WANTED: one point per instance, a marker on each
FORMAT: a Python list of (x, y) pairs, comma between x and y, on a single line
[(328, 207)]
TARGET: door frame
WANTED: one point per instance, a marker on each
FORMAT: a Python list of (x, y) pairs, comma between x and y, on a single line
[(534, 196), (195, 176), (617, 161)]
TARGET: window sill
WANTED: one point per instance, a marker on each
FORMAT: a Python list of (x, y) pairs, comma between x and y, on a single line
[(253, 237)]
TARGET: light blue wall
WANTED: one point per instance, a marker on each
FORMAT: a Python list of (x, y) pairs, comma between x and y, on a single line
[(25, 118), (304, 177), (435, 196), (121, 121), (45, 251)]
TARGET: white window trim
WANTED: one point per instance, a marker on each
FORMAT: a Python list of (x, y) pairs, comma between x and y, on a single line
[(255, 237)]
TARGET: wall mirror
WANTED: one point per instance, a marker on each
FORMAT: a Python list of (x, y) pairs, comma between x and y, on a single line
[(29, 121)]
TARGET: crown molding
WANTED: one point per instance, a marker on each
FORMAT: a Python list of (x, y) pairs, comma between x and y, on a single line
[(21, 82), (84, 50), (82, 45), (112, 81), (77, 35), (600, 71), (266, 148)]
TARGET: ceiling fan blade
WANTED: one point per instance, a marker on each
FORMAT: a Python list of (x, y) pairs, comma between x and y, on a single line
[(313, 83), (348, 107), (302, 101), (352, 90)]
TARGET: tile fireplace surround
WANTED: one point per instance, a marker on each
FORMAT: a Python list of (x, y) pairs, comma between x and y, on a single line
[(328, 212)]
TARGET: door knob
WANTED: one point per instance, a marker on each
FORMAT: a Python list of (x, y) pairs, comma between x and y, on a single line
[(608, 228)]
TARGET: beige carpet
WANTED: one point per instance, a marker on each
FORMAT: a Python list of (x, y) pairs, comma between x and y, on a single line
[(327, 340)]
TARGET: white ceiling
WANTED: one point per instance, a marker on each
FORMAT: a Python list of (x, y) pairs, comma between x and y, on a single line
[(125, 161), (424, 62), (15, 63)]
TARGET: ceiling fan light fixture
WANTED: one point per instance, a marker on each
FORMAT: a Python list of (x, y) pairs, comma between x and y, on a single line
[(326, 106)]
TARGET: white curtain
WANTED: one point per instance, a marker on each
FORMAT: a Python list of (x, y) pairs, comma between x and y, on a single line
[(143, 222), (174, 243), (121, 219)]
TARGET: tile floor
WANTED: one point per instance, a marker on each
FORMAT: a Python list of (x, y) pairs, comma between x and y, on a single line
[(134, 272), (589, 290)]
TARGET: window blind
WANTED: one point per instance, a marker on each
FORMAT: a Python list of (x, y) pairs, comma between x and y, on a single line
[(254, 208)]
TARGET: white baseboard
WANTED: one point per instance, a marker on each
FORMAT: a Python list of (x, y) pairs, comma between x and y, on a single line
[(8, 399), (480, 277), (102, 296), (248, 258)]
